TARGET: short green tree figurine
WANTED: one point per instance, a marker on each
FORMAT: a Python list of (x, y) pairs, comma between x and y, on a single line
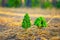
[(43, 22), (26, 22), (40, 22)]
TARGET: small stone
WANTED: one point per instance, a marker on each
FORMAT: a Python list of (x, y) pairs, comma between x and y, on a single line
[(10, 39), (55, 26), (30, 34), (38, 39)]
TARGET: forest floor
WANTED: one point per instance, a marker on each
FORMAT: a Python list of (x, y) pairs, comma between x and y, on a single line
[(11, 19)]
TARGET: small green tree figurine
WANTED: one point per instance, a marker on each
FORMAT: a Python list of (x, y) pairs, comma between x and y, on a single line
[(43, 22), (26, 22), (40, 22)]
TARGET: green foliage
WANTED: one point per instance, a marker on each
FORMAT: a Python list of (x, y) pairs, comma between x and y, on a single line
[(32, 3), (10, 3), (0, 2), (47, 4), (43, 22), (26, 22), (35, 3), (40, 22), (14, 3), (58, 4), (17, 3)]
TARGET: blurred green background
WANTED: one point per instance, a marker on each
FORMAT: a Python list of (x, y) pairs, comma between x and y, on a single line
[(31, 3)]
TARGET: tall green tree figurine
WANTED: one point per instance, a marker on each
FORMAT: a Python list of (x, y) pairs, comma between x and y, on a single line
[(38, 22), (26, 21)]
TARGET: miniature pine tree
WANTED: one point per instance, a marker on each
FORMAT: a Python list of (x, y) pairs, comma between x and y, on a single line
[(26, 22), (43, 22), (40, 22)]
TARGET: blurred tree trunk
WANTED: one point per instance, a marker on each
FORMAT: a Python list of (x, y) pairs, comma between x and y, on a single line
[(3, 3), (54, 2), (28, 3), (42, 2)]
